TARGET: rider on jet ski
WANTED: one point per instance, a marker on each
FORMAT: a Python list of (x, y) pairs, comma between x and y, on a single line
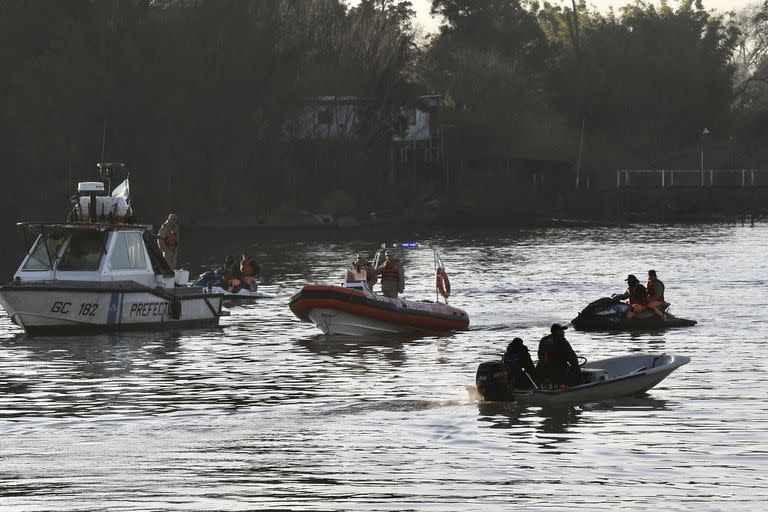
[(638, 298)]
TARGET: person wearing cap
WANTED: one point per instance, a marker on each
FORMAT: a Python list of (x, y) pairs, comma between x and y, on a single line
[(392, 276), (655, 289), (517, 360), (558, 363), (637, 295), (168, 240), (357, 273)]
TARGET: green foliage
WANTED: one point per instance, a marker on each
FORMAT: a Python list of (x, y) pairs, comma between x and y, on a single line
[(642, 83), (195, 94), (192, 94)]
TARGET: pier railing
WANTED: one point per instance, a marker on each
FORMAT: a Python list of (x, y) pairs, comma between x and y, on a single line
[(711, 178)]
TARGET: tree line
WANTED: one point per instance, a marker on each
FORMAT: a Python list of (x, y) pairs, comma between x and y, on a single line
[(194, 95)]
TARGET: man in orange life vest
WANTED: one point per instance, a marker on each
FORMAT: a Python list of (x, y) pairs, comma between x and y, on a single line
[(168, 240), (392, 276), (655, 288), (637, 295)]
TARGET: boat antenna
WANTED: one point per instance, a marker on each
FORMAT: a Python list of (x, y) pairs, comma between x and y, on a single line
[(103, 139)]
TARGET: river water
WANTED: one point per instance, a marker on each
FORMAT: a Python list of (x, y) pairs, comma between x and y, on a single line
[(265, 413)]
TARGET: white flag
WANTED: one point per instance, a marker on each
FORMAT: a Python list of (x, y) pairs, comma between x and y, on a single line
[(122, 190)]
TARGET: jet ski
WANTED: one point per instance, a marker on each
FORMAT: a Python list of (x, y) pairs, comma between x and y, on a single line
[(214, 283), (609, 313), (603, 379)]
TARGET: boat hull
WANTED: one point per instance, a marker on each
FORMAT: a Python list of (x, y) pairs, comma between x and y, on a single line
[(613, 378), (65, 308), (616, 323), (241, 297), (610, 314), (347, 311)]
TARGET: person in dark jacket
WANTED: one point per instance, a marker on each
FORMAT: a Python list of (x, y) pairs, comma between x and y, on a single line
[(558, 363), (517, 359), (637, 295)]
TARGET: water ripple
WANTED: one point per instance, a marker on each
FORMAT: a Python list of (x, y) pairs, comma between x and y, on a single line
[(265, 413)]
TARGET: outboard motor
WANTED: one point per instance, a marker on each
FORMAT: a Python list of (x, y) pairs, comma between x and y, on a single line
[(492, 380)]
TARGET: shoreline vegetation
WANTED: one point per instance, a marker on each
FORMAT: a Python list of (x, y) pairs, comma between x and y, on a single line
[(251, 114)]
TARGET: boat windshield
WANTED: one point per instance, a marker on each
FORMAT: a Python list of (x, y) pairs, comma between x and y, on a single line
[(46, 248), (83, 251), (128, 252)]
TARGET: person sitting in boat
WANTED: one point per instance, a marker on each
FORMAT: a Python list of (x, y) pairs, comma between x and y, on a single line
[(233, 283), (637, 295), (248, 271), (655, 289), (359, 274), (392, 276), (558, 363), (518, 361), (229, 267)]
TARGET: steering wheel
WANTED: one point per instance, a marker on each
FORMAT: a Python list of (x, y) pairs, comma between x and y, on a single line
[(582, 361)]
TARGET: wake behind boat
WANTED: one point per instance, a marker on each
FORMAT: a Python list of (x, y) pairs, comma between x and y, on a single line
[(99, 271), (603, 379), (354, 309), (609, 313)]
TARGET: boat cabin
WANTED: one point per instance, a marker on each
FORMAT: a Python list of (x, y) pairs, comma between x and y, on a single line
[(94, 252)]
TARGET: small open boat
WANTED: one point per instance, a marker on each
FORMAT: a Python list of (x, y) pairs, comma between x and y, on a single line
[(600, 380), (100, 271), (356, 310), (609, 314)]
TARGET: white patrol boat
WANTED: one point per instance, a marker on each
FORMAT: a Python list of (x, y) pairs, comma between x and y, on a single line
[(99, 271)]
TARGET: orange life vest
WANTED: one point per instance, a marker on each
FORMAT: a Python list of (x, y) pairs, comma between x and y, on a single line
[(171, 240), (389, 271)]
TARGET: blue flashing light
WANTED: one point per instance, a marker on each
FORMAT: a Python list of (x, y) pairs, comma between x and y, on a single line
[(409, 244)]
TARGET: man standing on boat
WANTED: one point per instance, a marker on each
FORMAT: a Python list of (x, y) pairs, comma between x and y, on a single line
[(392, 276), (168, 240)]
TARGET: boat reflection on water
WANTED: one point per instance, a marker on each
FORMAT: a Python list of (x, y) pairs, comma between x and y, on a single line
[(391, 348), (556, 419)]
